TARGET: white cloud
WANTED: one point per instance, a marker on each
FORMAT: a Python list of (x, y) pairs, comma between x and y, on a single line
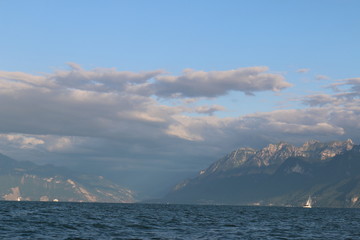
[(60, 144), (347, 92), (209, 109), (216, 83), (21, 141), (181, 130), (319, 100), (106, 103), (99, 79)]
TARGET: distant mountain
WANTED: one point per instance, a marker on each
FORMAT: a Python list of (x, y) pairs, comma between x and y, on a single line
[(27, 181), (279, 174)]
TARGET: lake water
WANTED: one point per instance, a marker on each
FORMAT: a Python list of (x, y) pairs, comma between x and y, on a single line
[(48, 220)]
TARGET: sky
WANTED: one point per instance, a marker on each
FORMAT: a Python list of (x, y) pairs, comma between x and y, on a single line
[(150, 92)]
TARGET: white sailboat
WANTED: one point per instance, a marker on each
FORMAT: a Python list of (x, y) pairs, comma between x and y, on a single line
[(308, 203)]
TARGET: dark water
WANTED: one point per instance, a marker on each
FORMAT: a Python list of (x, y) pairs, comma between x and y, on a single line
[(41, 220)]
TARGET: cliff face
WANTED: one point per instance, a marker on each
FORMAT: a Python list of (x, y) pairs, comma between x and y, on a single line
[(25, 181), (279, 174)]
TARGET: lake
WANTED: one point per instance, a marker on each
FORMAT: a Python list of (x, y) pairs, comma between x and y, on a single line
[(50, 220)]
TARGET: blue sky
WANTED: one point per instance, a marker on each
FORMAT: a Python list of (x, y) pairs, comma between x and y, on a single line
[(173, 35), (169, 85), (40, 36)]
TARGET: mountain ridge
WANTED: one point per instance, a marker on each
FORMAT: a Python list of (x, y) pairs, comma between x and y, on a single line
[(275, 154), (27, 181), (278, 174)]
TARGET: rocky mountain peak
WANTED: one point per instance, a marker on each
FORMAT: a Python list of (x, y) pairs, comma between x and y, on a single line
[(276, 154), (230, 161), (348, 144), (324, 151), (310, 143), (273, 153)]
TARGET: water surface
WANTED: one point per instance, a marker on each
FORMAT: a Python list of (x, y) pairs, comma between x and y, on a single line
[(48, 220)]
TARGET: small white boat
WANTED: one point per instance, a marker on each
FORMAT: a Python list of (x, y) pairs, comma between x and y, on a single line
[(308, 203)]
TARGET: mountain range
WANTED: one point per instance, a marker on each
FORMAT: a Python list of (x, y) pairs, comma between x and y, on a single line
[(276, 175), (26, 181), (279, 174)]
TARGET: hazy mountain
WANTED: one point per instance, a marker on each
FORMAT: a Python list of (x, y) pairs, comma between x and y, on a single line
[(279, 174), (27, 181)]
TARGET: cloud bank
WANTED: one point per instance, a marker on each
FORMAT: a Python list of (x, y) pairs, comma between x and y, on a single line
[(120, 115)]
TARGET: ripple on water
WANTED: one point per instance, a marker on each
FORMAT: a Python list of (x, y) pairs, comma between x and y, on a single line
[(32, 220)]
